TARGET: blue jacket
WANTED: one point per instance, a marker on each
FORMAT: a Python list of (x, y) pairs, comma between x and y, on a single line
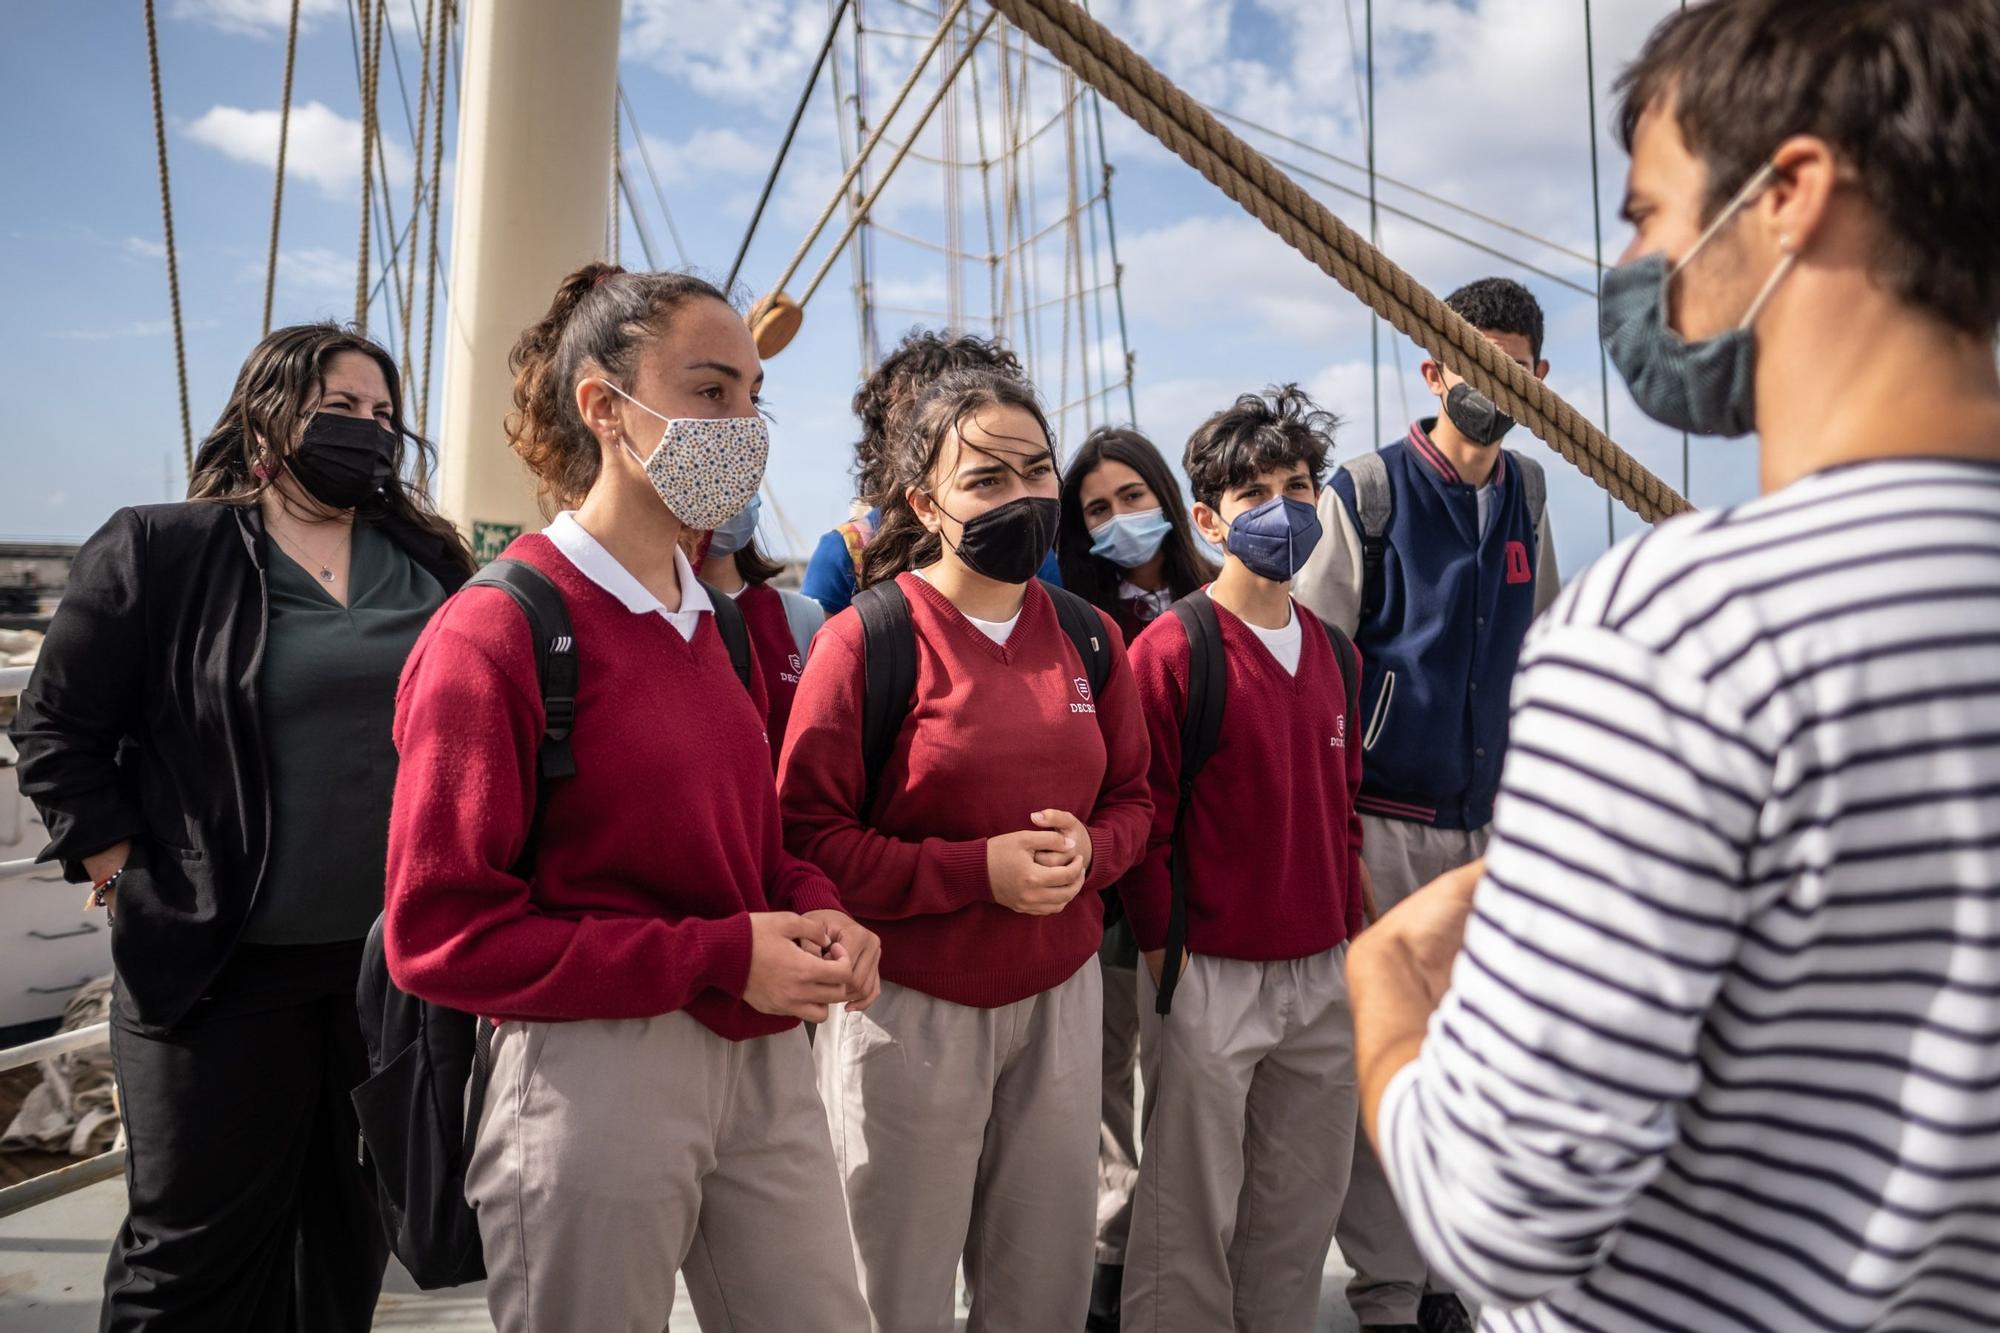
[(830, 574), (1438, 658)]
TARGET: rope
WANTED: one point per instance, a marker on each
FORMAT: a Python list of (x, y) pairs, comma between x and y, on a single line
[(1226, 161), (646, 161), (416, 174), (278, 190), (791, 269), (371, 56), (1117, 266), (167, 226), (785, 144), (861, 210), (1597, 230), (431, 279)]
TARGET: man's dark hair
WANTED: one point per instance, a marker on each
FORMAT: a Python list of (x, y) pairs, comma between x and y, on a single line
[(886, 397), (1276, 428), (1907, 94), (1500, 305)]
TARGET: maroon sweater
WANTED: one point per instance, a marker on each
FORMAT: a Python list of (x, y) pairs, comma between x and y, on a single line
[(777, 654), (994, 734), (651, 858), (1273, 840)]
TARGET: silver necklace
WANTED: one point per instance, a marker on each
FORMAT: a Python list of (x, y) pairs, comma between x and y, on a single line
[(326, 574)]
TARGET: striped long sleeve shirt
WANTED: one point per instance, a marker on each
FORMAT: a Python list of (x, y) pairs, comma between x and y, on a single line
[(1722, 1049)]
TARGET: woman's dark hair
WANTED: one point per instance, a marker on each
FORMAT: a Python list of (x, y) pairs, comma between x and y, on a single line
[(1276, 428), (276, 393), (1907, 94), (1096, 579), (911, 456), (755, 566), (600, 319), (884, 400)]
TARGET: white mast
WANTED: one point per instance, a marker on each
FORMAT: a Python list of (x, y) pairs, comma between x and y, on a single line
[(529, 206)]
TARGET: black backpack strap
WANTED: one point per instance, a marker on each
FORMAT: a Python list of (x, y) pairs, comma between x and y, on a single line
[(735, 632), (555, 656), (1349, 658), (1201, 730), (889, 666), (1085, 629), (1373, 505)]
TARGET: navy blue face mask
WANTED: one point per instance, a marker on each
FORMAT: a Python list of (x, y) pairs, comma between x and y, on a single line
[(1276, 538)]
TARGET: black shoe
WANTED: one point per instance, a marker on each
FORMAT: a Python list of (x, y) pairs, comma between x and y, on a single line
[(1442, 1312), (1105, 1286)]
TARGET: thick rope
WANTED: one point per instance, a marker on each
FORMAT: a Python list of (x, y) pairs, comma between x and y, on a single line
[(867, 205), (1274, 199), (167, 227), (430, 281), (416, 181), (861, 157), (371, 56), (278, 190)]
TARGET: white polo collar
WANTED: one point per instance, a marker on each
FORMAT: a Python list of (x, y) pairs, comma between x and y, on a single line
[(602, 568)]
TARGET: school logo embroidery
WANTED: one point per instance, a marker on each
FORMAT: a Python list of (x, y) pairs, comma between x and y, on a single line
[(1518, 568), (1339, 739), (1083, 693), (797, 665)]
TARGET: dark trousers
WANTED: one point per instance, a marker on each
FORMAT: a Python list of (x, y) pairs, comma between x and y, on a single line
[(248, 1211)]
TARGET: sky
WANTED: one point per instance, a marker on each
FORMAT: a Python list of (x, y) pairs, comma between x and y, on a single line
[(1483, 129)]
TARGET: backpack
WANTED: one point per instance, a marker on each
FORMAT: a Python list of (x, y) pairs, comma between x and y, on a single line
[(889, 665), (428, 1064), (1201, 730), (1374, 506)]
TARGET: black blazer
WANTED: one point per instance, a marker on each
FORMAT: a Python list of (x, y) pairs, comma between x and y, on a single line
[(142, 721)]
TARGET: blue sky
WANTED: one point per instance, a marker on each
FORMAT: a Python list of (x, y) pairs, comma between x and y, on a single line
[(1484, 104)]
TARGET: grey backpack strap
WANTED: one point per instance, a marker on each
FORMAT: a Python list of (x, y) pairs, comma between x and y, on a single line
[(1534, 487), (1372, 507)]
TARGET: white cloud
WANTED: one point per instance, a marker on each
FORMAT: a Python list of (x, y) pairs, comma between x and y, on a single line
[(703, 155), (1209, 271), (139, 247), (136, 328), (259, 17), (324, 146), (750, 51), (312, 269)]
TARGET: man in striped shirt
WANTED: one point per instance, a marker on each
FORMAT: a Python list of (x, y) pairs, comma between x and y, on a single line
[(1711, 1041)]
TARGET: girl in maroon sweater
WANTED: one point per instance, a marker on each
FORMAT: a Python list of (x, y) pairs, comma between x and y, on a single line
[(651, 1103), (1127, 547), (965, 1101)]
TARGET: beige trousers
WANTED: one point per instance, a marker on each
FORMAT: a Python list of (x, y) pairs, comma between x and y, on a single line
[(1117, 1136), (1249, 1130), (965, 1132), (1390, 1273), (613, 1153)]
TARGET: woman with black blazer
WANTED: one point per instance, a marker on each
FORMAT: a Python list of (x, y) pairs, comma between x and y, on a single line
[(207, 735)]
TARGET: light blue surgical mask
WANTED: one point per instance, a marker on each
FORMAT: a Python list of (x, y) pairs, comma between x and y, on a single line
[(1275, 539), (736, 532), (1707, 387), (1130, 540)]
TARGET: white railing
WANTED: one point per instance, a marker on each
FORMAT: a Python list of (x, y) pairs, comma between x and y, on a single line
[(64, 1180)]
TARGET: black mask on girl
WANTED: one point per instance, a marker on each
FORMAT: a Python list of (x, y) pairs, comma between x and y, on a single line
[(1475, 415), (342, 461), (1009, 542)]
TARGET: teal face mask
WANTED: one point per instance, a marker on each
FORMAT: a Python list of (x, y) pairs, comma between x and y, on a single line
[(1707, 387)]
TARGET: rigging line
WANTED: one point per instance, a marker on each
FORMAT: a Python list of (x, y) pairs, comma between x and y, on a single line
[(391, 238), (985, 195), (624, 185), (1003, 309), (1044, 128), (371, 13), (429, 31), (953, 218), (646, 161), (861, 158), (278, 189), (867, 205), (167, 232), (1687, 481), (1031, 258), (864, 249), (848, 138), (432, 280), (1074, 243), (1096, 292), (1442, 230), (1421, 193), (1072, 405), (614, 223), (1597, 228), (1374, 231), (1111, 241), (925, 243), (785, 144)]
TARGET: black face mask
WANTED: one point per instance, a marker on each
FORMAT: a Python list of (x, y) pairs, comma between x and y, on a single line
[(1009, 542), (342, 461), (1475, 415)]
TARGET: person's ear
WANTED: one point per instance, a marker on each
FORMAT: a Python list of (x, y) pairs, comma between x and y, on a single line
[(1209, 524), (921, 505), (1433, 374), (598, 407), (1542, 369), (1796, 204)]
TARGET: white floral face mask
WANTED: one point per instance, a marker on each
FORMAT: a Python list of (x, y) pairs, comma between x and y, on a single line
[(706, 469)]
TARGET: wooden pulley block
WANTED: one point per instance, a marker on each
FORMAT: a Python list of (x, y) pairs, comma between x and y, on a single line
[(774, 322)]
